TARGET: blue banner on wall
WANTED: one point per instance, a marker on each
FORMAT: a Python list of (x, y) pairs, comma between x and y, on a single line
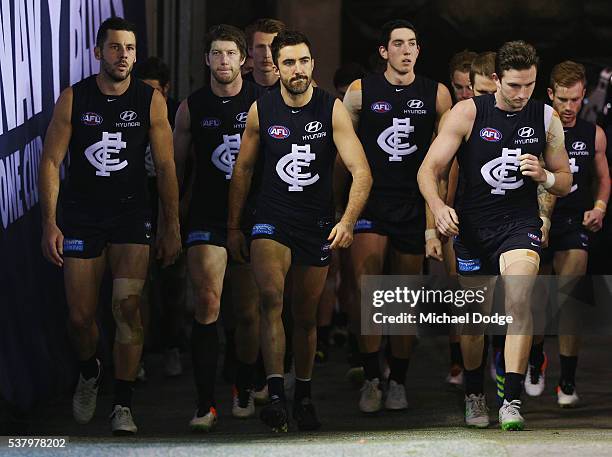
[(45, 46)]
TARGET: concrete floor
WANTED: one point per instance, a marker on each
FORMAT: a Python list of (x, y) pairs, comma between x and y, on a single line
[(433, 424)]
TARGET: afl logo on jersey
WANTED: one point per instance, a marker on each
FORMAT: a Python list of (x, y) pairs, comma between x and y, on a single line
[(91, 118), (414, 104), (490, 134), (526, 132), (313, 127), (128, 116), (578, 146), (210, 122), (381, 107), (279, 132), (242, 117)]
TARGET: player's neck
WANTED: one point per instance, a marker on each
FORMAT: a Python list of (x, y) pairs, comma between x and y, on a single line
[(399, 79), (501, 104), (264, 78), (109, 86), (296, 100), (226, 90)]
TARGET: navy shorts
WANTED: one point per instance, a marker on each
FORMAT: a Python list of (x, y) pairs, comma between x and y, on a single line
[(477, 250), (402, 222), (89, 227), (201, 231), (565, 234), (308, 242)]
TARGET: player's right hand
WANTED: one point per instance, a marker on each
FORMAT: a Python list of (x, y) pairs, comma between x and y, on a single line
[(237, 246), (446, 220), (52, 244)]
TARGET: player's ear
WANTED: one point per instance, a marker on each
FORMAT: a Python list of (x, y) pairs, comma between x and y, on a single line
[(383, 52), (551, 94), (98, 53)]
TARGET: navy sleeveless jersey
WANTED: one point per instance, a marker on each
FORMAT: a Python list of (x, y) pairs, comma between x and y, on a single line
[(492, 187), (217, 124), (580, 147), (249, 77), (297, 146), (110, 135), (395, 127)]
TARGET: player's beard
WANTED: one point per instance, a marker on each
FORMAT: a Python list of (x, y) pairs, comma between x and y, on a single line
[(299, 85), (227, 80), (108, 69)]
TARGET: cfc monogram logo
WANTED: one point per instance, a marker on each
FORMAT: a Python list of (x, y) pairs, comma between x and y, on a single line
[(99, 154), (224, 156), (495, 172), (394, 140), (289, 168), (574, 169)]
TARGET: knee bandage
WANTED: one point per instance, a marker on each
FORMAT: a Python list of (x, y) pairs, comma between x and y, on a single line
[(126, 333), (518, 255)]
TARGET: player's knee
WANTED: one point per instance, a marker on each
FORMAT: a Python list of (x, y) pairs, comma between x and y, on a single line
[(208, 299), (126, 304), (81, 320), (271, 299)]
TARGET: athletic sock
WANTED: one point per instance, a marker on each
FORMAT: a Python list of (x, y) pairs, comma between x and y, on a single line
[(89, 368), (371, 365), (455, 354), (123, 393), (276, 387), (536, 355), (204, 354), (260, 372), (398, 367), (499, 342), (474, 381), (323, 336), (302, 389), (568, 369), (245, 373), (513, 386)]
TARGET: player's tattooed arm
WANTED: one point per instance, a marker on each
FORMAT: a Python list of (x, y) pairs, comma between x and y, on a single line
[(54, 152), (546, 204), (558, 177), (353, 101)]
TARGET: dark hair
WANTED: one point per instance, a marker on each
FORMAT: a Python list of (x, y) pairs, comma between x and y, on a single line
[(224, 32), (264, 25), (515, 55), (566, 74), (390, 26), (113, 23), (288, 38), (461, 62), (483, 64), (348, 73), (153, 68)]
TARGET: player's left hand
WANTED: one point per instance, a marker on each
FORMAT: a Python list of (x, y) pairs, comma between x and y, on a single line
[(530, 166), (168, 245), (341, 235), (593, 219), (433, 249)]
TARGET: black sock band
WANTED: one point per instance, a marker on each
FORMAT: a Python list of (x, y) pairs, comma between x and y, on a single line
[(245, 375), (398, 367), (371, 366), (89, 368), (474, 381), (276, 388), (302, 390), (568, 369), (123, 393), (513, 386), (455, 354), (204, 354), (536, 355)]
